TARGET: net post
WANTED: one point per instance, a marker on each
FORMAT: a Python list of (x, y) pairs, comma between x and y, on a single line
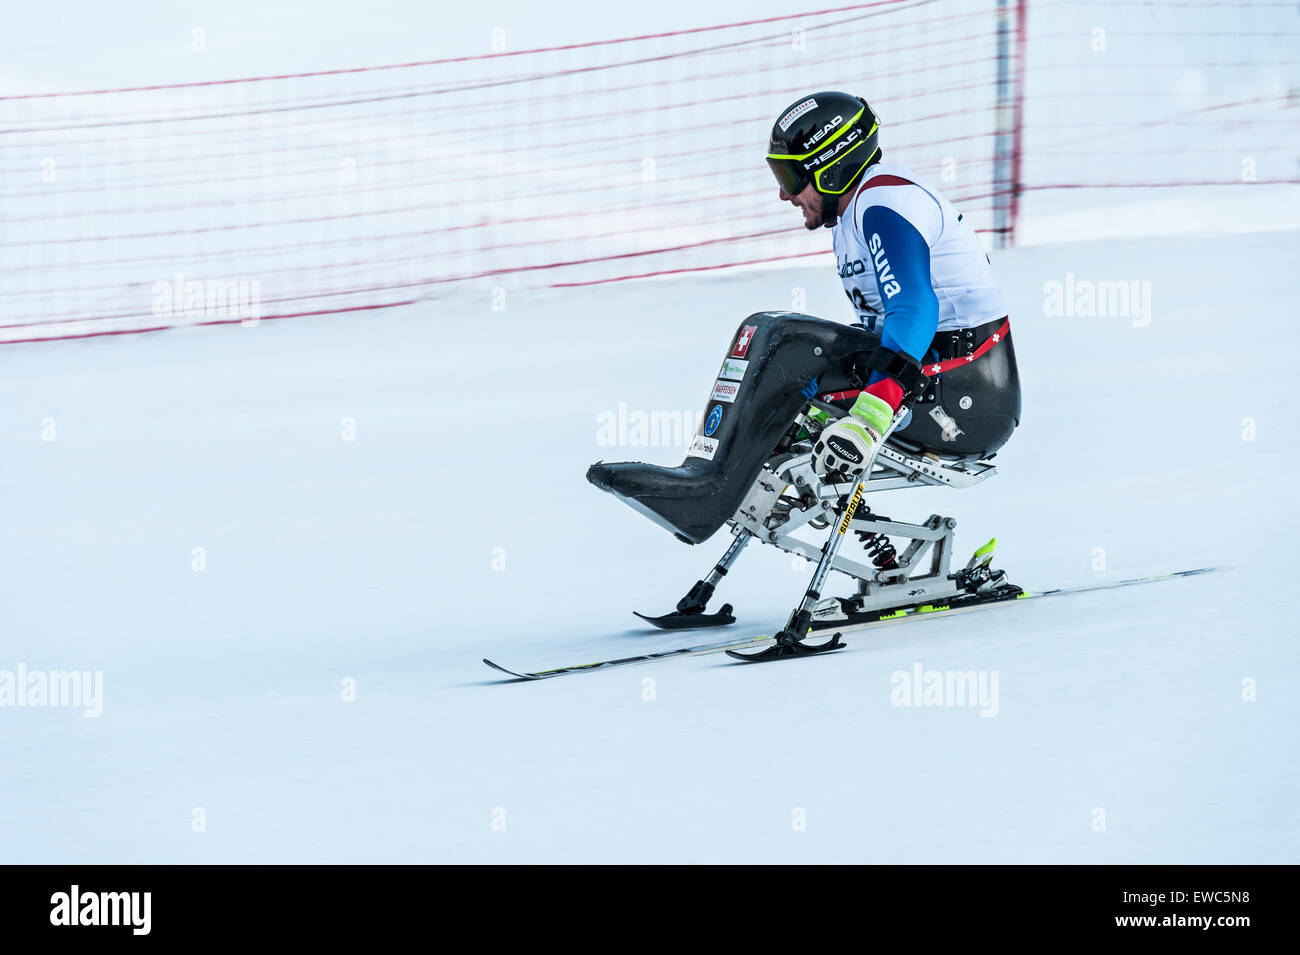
[(1017, 118), (1003, 143)]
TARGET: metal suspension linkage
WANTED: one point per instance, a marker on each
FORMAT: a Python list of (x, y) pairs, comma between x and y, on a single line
[(789, 641)]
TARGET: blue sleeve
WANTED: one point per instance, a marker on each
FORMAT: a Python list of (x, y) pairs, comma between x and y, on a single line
[(901, 259)]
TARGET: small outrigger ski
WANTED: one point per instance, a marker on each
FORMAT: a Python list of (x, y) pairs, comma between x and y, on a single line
[(788, 645), (690, 614)]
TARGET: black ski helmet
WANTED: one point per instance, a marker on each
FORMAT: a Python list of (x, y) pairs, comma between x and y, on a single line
[(827, 139)]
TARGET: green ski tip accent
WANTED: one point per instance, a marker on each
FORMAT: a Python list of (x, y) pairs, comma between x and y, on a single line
[(988, 548)]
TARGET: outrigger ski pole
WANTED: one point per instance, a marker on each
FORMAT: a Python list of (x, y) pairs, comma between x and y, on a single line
[(789, 641), (690, 614)]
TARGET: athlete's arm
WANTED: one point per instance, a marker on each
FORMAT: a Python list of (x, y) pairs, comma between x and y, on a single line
[(901, 259)]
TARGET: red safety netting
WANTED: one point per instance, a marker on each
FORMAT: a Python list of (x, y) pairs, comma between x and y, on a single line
[(347, 190), (1139, 103), (364, 188)]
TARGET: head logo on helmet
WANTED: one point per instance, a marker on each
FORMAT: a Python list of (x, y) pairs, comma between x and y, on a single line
[(817, 136), (827, 140)]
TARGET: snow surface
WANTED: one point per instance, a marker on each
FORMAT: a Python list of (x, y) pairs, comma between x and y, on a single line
[(373, 560)]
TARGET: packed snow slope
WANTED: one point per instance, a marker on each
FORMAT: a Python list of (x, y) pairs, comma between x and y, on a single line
[(457, 525)]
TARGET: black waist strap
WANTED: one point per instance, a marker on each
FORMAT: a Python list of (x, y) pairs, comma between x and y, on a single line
[(960, 342)]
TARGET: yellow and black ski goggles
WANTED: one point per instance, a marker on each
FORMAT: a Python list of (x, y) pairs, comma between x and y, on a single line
[(831, 166)]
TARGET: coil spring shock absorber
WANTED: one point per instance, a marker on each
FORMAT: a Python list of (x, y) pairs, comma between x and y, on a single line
[(883, 554)]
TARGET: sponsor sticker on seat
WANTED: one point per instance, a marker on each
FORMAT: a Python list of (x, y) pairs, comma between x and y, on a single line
[(742, 341), (734, 368), (714, 419), (703, 447), (724, 391)]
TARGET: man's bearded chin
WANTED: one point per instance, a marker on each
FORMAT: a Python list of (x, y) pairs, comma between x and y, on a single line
[(830, 214)]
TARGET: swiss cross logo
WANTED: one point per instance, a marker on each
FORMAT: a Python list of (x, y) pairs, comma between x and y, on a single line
[(742, 341)]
